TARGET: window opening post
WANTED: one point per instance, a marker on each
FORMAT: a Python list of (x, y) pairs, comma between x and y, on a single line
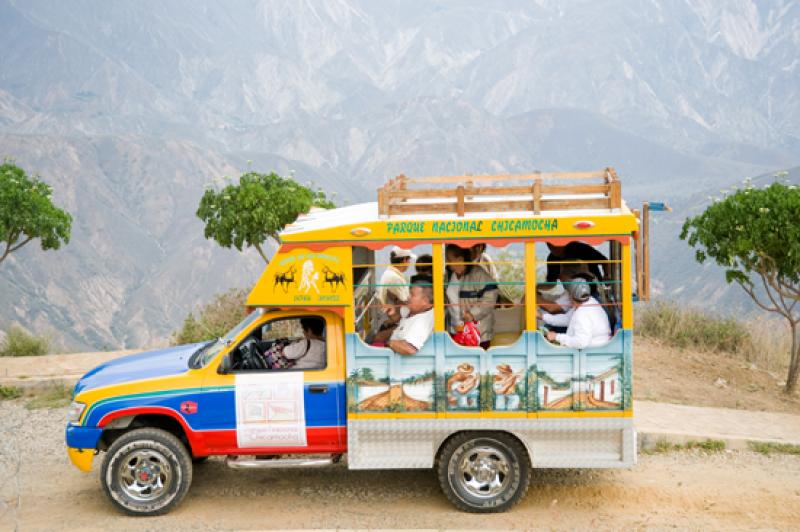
[(349, 319), (530, 286), (438, 288), (627, 298)]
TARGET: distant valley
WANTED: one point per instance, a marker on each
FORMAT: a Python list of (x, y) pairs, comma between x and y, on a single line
[(129, 110)]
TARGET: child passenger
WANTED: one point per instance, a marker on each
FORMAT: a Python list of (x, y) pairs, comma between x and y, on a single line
[(586, 321)]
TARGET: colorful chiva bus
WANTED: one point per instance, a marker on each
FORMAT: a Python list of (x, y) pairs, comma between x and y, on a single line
[(303, 374)]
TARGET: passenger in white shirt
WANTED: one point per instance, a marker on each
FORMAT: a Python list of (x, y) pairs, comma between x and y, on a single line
[(414, 330), (586, 321), (308, 353)]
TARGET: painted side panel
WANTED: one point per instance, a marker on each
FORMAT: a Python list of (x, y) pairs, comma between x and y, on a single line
[(212, 427), (529, 378)]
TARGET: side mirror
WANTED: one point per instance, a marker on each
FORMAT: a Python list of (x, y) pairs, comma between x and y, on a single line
[(224, 365)]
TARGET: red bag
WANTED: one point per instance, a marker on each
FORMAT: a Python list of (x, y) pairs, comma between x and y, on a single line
[(469, 336)]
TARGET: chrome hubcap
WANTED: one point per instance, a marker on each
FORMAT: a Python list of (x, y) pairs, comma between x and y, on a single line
[(483, 471), (145, 474)]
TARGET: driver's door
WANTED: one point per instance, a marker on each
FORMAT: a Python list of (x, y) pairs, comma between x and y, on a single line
[(276, 411)]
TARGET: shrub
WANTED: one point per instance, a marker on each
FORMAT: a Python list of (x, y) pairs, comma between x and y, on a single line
[(768, 448), (55, 396), (19, 343), (10, 392), (214, 319), (688, 327)]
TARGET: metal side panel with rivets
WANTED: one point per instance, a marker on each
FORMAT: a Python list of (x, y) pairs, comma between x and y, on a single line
[(551, 443)]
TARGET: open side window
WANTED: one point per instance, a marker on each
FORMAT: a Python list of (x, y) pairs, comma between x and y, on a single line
[(288, 343), (383, 280), (576, 262)]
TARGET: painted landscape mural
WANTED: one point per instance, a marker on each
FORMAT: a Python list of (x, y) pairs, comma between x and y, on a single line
[(558, 380)]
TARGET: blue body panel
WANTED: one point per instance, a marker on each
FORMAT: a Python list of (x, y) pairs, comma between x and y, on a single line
[(82, 437), (161, 363), (216, 407)]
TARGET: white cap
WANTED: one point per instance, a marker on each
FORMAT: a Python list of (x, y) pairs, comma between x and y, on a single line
[(397, 251)]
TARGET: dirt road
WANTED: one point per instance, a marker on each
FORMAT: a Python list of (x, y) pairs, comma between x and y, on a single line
[(42, 491)]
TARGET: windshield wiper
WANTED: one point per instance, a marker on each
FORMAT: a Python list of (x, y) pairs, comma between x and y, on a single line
[(197, 355)]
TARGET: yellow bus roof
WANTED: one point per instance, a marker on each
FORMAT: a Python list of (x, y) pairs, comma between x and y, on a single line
[(362, 222)]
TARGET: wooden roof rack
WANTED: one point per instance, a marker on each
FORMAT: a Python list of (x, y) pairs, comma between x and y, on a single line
[(541, 191)]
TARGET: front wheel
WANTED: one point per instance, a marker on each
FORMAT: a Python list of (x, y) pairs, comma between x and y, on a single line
[(483, 473), (146, 472)]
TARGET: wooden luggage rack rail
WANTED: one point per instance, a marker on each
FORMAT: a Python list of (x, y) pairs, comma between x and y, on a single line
[(476, 193)]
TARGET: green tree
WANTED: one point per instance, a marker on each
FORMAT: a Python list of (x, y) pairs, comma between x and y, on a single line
[(256, 209), (213, 319), (27, 212), (755, 235)]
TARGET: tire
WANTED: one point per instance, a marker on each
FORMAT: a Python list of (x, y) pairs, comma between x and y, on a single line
[(483, 472), (146, 472)]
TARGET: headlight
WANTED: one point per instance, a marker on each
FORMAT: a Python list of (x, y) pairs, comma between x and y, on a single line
[(74, 412)]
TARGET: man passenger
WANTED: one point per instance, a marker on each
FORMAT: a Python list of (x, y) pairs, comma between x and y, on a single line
[(393, 286), (414, 330), (587, 323)]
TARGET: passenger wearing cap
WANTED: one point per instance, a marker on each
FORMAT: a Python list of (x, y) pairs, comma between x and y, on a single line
[(586, 321), (393, 286), (553, 298)]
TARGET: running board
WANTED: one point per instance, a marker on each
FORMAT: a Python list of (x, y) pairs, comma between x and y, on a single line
[(254, 463)]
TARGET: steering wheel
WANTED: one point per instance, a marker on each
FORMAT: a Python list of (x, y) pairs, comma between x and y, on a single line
[(251, 357)]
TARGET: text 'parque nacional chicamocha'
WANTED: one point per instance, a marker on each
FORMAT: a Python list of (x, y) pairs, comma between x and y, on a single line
[(513, 225)]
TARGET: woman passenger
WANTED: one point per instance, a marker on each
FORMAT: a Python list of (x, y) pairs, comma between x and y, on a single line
[(471, 293)]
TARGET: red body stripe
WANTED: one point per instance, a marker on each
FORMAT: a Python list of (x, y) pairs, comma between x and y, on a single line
[(207, 442)]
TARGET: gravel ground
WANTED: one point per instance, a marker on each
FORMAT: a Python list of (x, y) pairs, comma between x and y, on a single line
[(40, 490)]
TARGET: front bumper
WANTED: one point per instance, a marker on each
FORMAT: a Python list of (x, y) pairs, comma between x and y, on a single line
[(81, 445), (81, 458)]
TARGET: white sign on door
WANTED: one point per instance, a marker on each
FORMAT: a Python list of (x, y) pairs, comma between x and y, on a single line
[(270, 410)]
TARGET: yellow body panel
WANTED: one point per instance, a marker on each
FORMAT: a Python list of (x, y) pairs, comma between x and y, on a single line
[(81, 458), (300, 277)]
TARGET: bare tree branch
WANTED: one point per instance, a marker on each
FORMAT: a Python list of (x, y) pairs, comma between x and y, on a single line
[(750, 292), (12, 249), (261, 252)]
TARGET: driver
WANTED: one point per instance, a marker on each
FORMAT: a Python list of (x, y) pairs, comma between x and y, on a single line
[(309, 352)]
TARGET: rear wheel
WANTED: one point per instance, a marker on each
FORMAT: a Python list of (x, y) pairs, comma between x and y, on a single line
[(482, 472), (146, 472)]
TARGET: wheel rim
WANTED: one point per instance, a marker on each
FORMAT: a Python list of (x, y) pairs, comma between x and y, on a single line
[(145, 474), (483, 471)]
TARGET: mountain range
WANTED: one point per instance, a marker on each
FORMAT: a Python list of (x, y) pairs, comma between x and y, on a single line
[(130, 109)]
